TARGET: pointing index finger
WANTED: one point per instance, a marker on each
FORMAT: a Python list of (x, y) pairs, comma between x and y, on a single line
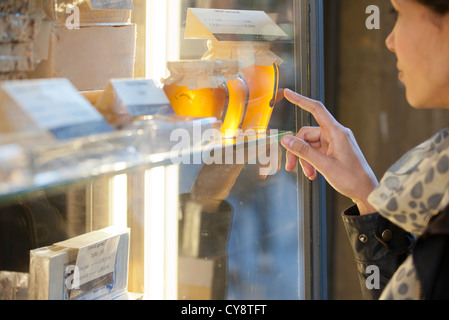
[(316, 108)]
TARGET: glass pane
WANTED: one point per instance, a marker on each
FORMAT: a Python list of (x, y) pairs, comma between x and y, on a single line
[(263, 251), (211, 214)]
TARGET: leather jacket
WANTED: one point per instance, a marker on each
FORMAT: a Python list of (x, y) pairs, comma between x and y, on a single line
[(376, 241)]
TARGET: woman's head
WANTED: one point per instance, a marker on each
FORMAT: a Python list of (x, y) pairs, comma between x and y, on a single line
[(420, 40)]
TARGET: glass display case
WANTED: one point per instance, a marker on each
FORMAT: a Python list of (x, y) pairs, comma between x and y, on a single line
[(147, 199)]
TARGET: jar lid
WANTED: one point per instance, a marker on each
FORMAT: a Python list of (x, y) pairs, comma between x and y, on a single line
[(195, 74), (194, 67), (231, 65)]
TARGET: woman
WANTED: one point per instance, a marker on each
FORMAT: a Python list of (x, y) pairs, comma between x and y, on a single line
[(400, 224)]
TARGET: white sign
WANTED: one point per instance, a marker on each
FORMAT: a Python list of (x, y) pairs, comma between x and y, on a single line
[(52, 102), (232, 25), (54, 105), (141, 96), (97, 252)]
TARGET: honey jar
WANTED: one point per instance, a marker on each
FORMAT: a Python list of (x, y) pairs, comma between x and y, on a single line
[(261, 73), (196, 88), (208, 88)]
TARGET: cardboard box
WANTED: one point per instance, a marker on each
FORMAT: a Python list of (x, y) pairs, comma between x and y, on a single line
[(17, 28), (89, 57), (14, 6), (89, 267), (13, 285), (16, 57)]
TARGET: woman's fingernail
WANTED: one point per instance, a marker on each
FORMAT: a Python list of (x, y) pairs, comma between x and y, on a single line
[(288, 141), (305, 173)]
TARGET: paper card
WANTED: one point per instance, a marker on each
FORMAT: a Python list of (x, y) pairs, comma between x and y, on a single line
[(111, 4), (97, 260), (232, 25), (141, 97), (55, 105), (97, 252)]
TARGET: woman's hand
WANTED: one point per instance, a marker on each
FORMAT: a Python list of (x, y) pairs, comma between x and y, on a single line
[(332, 150)]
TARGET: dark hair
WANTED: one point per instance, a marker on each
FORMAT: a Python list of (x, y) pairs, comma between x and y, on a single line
[(438, 6)]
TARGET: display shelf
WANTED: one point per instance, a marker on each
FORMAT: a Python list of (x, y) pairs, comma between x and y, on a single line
[(260, 228), (26, 168)]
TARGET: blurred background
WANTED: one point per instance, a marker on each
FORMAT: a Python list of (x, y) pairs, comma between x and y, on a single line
[(364, 93)]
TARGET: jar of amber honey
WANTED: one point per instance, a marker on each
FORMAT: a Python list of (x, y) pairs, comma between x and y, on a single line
[(261, 73), (196, 88), (208, 88)]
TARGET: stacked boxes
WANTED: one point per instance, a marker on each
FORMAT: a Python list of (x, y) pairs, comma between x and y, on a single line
[(89, 56), (13, 285), (14, 7), (17, 34), (91, 13), (89, 42), (93, 266)]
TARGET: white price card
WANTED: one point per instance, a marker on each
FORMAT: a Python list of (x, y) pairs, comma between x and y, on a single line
[(141, 97), (232, 25), (55, 105), (111, 4), (96, 256)]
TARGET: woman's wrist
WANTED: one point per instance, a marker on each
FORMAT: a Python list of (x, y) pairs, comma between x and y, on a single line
[(361, 200), (365, 207)]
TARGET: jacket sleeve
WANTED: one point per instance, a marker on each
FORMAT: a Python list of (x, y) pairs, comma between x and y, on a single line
[(379, 248)]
